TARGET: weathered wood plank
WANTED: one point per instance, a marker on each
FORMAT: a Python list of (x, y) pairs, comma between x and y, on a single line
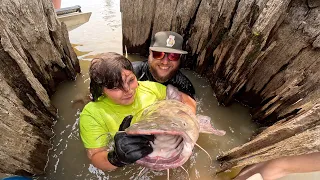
[(35, 55), (287, 137), (137, 23), (278, 79)]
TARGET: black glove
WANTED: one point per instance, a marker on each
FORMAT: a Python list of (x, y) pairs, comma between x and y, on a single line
[(129, 148)]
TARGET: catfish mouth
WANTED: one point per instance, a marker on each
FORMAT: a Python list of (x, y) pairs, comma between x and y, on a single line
[(170, 150), (165, 153)]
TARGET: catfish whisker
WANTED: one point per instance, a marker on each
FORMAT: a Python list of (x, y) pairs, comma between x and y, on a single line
[(143, 171), (204, 151), (156, 161), (186, 172)]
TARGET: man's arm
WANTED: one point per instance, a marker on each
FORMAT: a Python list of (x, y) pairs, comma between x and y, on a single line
[(189, 101), (283, 166), (302, 163), (137, 68)]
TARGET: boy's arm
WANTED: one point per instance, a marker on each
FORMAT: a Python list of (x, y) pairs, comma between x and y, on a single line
[(99, 158), (127, 149)]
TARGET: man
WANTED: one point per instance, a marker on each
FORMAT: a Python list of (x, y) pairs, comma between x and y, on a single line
[(163, 62)]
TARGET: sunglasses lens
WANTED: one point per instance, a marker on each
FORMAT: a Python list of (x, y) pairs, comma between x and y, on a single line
[(174, 56), (158, 55)]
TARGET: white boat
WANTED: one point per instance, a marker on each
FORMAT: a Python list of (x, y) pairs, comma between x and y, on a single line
[(72, 16)]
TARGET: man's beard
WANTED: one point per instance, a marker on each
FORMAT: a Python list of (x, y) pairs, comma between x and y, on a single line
[(162, 79)]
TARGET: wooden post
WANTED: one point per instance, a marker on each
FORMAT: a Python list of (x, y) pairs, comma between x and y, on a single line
[(263, 53), (288, 137), (35, 55)]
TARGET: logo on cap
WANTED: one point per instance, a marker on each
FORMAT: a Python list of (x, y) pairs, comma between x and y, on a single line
[(170, 41)]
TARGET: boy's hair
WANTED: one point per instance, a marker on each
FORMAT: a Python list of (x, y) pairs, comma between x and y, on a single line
[(105, 71)]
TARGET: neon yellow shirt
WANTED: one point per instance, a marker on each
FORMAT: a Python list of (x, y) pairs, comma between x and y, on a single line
[(103, 117)]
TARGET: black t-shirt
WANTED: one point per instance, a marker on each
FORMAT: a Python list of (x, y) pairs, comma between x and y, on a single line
[(180, 81)]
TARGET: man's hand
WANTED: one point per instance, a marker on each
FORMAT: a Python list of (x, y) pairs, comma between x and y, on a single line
[(129, 148)]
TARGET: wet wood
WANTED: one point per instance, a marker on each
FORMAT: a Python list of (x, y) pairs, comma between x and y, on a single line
[(35, 55), (263, 53), (287, 137)]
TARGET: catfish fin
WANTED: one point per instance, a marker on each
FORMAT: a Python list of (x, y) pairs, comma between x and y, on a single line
[(173, 93), (206, 127)]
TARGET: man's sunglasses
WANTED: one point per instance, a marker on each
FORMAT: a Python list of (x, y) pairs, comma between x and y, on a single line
[(171, 56)]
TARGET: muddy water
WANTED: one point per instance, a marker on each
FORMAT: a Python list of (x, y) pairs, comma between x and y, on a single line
[(67, 158), (102, 33)]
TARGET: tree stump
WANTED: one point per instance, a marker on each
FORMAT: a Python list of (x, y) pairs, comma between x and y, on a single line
[(35, 55), (264, 53)]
